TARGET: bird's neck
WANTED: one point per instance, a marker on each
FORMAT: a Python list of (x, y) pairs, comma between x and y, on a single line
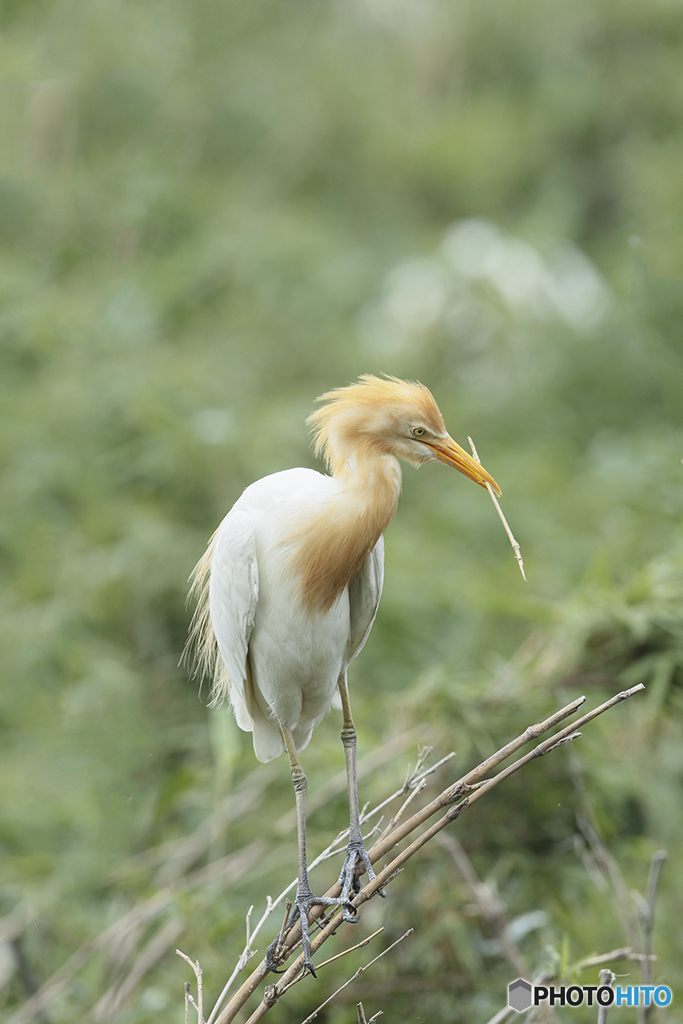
[(331, 548)]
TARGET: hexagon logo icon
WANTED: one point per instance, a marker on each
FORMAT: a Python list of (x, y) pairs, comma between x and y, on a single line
[(519, 995)]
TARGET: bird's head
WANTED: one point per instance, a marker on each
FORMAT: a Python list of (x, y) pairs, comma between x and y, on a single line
[(392, 417)]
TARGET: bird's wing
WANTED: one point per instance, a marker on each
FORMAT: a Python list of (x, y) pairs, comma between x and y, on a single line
[(233, 594), (365, 590)]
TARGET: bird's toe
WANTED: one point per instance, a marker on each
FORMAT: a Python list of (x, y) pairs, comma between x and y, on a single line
[(278, 952), (349, 880)]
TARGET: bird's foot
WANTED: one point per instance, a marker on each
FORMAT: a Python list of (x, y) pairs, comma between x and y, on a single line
[(277, 952), (348, 879)]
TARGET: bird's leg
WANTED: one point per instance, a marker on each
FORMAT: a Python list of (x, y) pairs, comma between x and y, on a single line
[(304, 899), (355, 851)]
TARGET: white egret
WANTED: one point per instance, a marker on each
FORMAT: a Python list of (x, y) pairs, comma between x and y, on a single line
[(289, 587)]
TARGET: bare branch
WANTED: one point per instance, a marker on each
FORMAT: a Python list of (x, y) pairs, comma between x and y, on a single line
[(413, 779), (515, 546), (194, 964), (361, 970), (330, 851), (358, 945), (450, 794), (393, 822), (364, 942), (361, 1015), (455, 799)]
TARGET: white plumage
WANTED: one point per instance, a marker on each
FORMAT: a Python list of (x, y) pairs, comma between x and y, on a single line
[(282, 662)]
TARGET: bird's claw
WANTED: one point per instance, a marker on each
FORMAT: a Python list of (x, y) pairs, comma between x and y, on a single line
[(277, 952), (349, 880)]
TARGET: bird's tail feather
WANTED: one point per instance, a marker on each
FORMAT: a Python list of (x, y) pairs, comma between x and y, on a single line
[(201, 650)]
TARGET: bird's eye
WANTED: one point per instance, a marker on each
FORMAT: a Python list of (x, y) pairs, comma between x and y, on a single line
[(418, 431)]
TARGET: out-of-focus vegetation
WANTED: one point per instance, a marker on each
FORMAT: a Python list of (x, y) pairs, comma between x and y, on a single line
[(210, 212)]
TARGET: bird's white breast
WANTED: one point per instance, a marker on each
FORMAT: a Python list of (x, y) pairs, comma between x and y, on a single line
[(296, 655)]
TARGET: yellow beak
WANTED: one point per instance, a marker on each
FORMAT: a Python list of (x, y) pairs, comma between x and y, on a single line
[(450, 452)]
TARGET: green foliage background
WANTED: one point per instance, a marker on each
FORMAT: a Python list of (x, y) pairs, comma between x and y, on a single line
[(211, 212)]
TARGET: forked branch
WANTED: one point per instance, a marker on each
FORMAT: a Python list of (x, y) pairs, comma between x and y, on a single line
[(454, 800)]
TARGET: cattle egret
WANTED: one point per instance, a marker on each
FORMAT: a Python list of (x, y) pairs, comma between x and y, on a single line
[(289, 586)]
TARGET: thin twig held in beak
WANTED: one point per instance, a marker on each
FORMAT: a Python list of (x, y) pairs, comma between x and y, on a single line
[(515, 546)]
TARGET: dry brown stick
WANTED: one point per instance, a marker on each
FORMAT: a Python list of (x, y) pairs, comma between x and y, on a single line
[(446, 799), (199, 975), (415, 781), (358, 945), (337, 956), (331, 850), (361, 970), (378, 850), (394, 820), (362, 1019), (515, 546), (380, 881)]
